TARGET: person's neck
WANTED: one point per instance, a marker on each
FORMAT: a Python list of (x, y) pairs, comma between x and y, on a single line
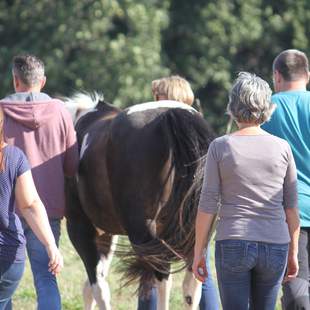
[(248, 129), (292, 86), (24, 89)]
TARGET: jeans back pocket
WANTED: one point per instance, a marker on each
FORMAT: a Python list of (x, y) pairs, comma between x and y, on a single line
[(277, 257), (234, 255)]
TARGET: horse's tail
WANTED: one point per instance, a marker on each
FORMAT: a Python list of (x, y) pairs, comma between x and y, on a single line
[(187, 136), (189, 139)]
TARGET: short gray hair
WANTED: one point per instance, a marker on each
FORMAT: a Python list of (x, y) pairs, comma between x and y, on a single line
[(250, 99), (29, 69)]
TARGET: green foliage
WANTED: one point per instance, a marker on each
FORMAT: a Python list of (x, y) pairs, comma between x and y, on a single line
[(119, 46), (210, 41), (109, 46)]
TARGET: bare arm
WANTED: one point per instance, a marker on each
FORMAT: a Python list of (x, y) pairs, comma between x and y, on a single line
[(290, 202), (34, 213), (206, 214), (203, 227), (292, 219)]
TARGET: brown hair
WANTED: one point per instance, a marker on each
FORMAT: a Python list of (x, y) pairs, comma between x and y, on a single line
[(292, 65), (173, 88), (1, 141)]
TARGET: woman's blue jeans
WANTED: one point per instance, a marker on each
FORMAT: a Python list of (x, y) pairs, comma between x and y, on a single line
[(208, 300), (10, 275), (249, 273), (48, 296)]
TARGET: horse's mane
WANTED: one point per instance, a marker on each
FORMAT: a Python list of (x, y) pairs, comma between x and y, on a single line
[(82, 102)]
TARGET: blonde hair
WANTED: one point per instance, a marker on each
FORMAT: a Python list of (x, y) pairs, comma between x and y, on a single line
[(173, 88)]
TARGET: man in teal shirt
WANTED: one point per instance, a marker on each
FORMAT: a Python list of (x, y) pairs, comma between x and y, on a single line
[(291, 121)]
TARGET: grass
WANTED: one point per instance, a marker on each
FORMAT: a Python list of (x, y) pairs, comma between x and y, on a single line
[(72, 278)]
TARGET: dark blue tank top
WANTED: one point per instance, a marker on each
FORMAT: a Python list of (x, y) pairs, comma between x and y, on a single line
[(12, 240)]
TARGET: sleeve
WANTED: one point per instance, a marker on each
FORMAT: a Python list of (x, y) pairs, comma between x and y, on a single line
[(71, 156), (210, 193), (22, 164), (290, 198)]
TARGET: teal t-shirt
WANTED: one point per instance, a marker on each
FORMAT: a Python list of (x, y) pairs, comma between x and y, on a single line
[(291, 121)]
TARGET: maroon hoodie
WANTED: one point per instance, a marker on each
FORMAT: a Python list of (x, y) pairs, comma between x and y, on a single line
[(43, 129)]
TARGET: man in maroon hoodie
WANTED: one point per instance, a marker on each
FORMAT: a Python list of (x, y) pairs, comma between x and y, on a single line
[(43, 129)]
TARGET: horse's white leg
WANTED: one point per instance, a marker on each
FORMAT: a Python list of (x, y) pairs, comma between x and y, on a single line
[(163, 293), (191, 291), (101, 290), (89, 301)]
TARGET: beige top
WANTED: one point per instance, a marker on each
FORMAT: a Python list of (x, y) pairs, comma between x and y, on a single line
[(249, 180)]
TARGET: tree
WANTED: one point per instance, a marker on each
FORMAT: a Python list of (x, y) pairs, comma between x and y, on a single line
[(110, 46), (210, 41), (119, 46)]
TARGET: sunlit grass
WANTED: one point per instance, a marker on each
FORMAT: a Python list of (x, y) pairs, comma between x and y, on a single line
[(72, 278)]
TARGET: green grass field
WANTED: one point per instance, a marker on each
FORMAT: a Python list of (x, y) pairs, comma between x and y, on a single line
[(72, 278)]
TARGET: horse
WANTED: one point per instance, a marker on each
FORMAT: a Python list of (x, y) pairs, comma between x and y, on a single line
[(140, 175)]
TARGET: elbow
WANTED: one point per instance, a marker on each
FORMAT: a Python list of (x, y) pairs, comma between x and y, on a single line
[(29, 206)]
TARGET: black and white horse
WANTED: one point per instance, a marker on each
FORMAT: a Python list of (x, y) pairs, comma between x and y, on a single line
[(140, 175)]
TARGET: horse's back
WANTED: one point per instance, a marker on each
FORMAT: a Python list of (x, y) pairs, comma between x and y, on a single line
[(142, 155)]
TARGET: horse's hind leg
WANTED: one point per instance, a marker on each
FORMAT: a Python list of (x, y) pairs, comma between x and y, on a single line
[(101, 290), (82, 235), (191, 291), (89, 301), (163, 289)]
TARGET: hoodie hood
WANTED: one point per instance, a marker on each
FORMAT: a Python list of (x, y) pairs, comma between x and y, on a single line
[(32, 114)]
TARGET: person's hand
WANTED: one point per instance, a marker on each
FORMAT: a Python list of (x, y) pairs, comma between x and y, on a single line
[(199, 268), (56, 262), (292, 268)]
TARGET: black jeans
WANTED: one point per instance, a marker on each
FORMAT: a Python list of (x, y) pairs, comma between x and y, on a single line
[(296, 292)]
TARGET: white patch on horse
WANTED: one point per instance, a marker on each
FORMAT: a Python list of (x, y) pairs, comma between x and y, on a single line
[(101, 289), (84, 146), (160, 104), (163, 289), (191, 291), (89, 301), (102, 295), (81, 103)]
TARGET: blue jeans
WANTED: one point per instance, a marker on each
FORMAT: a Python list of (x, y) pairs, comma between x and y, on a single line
[(249, 273), (10, 275), (208, 300), (48, 296), (209, 296)]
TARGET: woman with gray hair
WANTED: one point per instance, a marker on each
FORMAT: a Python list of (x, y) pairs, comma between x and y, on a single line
[(250, 182)]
